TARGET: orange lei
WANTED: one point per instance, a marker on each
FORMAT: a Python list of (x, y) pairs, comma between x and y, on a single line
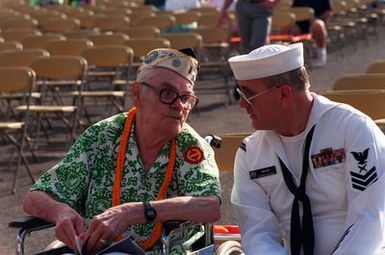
[(158, 228)]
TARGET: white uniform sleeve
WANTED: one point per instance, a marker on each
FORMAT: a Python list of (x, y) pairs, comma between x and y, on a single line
[(365, 161), (259, 226)]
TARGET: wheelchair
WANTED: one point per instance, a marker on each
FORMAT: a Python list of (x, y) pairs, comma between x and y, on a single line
[(217, 239), (203, 246)]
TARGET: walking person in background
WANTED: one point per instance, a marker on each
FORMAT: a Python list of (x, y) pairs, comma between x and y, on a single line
[(254, 21), (317, 28), (310, 179)]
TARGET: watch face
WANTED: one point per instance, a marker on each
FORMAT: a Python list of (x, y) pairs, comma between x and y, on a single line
[(150, 212)]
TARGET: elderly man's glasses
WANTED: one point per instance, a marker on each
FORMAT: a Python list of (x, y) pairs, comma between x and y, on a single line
[(169, 96), (248, 99)]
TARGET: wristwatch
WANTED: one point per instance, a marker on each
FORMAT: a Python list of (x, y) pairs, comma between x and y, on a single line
[(149, 212)]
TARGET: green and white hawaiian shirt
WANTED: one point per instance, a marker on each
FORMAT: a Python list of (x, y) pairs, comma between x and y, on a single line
[(84, 178)]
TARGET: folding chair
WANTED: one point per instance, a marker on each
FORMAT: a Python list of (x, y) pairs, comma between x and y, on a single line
[(80, 34), (186, 21), (136, 16), (376, 67), (213, 57), (18, 35), (141, 46), (110, 23), (19, 23), (108, 39), (370, 102), (59, 25), (111, 64), (39, 41), (184, 40), (16, 80), (165, 22), (360, 81), (141, 31), (21, 58), (10, 45), (58, 75), (69, 47)]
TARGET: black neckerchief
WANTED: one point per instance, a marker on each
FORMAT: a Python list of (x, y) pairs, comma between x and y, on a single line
[(300, 236)]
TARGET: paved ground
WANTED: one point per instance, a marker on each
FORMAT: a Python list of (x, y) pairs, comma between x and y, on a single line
[(214, 117)]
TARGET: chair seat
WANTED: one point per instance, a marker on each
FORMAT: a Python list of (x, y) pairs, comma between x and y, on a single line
[(46, 108), (11, 125), (99, 93)]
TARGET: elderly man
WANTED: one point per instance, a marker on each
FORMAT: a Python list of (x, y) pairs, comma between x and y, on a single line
[(127, 174), (312, 176)]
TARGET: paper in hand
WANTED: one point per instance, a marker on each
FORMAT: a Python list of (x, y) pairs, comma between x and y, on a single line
[(79, 244)]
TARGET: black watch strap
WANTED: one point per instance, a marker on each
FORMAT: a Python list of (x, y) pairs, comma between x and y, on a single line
[(149, 212)]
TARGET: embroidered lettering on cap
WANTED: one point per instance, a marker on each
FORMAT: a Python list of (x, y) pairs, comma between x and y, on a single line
[(263, 172), (364, 177), (328, 157)]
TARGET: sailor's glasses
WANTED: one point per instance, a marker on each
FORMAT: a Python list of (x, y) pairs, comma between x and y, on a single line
[(248, 99), (169, 96)]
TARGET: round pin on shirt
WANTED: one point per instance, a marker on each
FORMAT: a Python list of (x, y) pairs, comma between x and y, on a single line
[(194, 155)]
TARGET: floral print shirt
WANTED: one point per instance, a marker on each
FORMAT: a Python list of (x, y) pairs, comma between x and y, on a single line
[(85, 177)]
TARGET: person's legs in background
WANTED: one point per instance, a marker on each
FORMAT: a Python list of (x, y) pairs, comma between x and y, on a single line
[(319, 35)]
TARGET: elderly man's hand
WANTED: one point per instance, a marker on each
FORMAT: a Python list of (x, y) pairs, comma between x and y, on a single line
[(105, 227), (68, 225)]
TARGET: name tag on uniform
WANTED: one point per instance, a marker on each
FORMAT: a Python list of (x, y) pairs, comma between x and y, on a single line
[(263, 172)]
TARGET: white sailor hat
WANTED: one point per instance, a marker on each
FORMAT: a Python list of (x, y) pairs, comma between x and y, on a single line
[(267, 60)]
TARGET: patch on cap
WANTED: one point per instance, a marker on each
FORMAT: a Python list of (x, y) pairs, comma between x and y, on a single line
[(267, 60), (175, 60)]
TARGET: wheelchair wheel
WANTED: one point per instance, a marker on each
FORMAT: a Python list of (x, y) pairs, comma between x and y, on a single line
[(229, 248)]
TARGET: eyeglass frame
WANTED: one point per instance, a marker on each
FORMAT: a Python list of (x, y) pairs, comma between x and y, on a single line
[(248, 100), (177, 95)]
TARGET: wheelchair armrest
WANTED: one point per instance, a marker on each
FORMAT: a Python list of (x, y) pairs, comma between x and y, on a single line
[(30, 223)]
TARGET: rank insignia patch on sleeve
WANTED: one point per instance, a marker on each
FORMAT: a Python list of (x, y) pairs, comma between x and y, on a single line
[(362, 176)]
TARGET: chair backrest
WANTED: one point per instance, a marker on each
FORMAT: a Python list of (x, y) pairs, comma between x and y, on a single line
[(376, 67), (78, 34), (106, 23), (69, 47), (208, 19), (18, 23), (370, 102), (10, 45), (38, 42), (161, 22), (141, 46), (186, 17), (61, 25), (282, 21), (213, 34), (141, 31), (136, 16), (225, 155), (302, 13), (60, 67), (18, 35), (108, 56), (360, 81), (14, 79), (21, 58), (183, 40), (108, 39)]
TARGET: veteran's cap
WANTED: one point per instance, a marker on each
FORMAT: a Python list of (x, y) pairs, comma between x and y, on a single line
[(182, 61), (267, 60)]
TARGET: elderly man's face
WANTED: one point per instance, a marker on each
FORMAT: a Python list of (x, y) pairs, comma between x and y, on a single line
[(159, 110)]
